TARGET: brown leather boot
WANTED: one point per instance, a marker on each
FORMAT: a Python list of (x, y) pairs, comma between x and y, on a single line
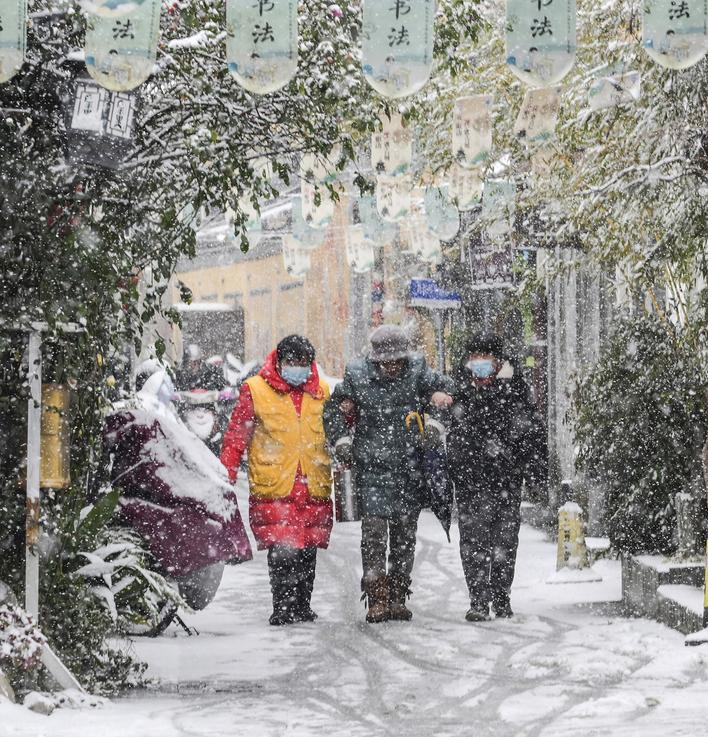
[(398, 590), (376, 595)]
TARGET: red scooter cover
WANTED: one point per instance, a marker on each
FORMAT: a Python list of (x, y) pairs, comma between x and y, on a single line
[(175, 492)]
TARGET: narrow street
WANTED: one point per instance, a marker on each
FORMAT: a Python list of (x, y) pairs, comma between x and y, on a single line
[(565, 664)]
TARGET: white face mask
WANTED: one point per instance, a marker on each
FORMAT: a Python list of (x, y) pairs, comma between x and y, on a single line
[(481, 368), (295, 375)]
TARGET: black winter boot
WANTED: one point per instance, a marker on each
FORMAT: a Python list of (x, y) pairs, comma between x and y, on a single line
[(398, 590), (478, 612), (501, 604), (303, 610), (283, 586)]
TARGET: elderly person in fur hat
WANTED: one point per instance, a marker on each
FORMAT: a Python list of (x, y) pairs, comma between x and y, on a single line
[(374, 421)]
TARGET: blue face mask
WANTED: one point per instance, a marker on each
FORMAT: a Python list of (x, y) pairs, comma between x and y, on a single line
[(295, 375), (482, 368)]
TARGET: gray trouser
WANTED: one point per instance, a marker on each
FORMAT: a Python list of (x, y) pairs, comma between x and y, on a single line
[(399, 535), (489, 537)]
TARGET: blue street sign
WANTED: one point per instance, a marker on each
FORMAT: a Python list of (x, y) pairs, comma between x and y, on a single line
[(426, 293)]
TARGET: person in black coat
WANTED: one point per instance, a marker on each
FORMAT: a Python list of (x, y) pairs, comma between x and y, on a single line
[(497, 441)]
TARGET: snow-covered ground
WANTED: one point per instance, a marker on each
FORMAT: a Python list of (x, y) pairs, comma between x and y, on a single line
[(566, 664)]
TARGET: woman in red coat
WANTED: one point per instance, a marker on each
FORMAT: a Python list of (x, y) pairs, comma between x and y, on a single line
[(278, 420)]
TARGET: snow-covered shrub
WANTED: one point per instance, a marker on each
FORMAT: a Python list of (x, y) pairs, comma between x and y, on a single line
[(21, 640), (641, 421), (121, 574)]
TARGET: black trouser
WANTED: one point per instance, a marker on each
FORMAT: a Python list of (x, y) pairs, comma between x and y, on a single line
[(292, 577), (489, 519), (378, 533)]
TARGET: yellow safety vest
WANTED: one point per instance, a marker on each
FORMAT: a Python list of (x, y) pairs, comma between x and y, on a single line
[(282, 441)]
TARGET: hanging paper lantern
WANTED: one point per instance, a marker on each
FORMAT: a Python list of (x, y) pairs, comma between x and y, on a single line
[(538, 115), (675, 32), (307, 237), (499, 206), (316, 173), (316, 216), (540, 40), (392, 147), (397, 46), (13, 38), (423, 243), (620, 89), (261, 43), (465, 187), (472, 130), (393, 197), (253, 217), (296, 259), (374, 227), (442, 216), (360, 251), (111, 8), (120, 52)]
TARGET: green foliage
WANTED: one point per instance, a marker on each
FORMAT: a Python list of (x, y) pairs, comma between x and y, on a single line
[(640, 422)]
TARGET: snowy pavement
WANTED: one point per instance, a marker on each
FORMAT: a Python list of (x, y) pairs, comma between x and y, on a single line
[(565, 664)]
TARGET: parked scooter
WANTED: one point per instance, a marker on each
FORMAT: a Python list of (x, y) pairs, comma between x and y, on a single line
[(206, 413), (176, 495)]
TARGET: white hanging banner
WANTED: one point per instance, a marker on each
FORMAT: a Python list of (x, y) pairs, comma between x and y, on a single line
[(316, 216), (397, 45), (464, 187), (319, 169), (392, 147), (111, 8), (373, 226), (423, 243), (295, 259), (253, 217), (307, 237), (499, 206), (443, 218), (261, 43), (120, 52), (13, 37), (540, 39), (472, 130), (538, 115), (675, 32), (393, 197), (620, 89), (360, 251)]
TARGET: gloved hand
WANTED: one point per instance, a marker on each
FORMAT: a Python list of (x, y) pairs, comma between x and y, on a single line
[(343, 451), (434, 436)]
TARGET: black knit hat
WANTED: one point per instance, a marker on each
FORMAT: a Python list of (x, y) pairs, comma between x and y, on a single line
[(295, 348), (486, 343)]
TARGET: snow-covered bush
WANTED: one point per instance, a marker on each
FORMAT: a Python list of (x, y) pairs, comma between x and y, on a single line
[(21, 640), (121, 574), (640, 423)]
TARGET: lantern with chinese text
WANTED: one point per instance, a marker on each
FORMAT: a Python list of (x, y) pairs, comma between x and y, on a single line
[(111, 8), (391, 147), (464, 187), (423, 243), (307, 237), (443, 218), (393, 197), (360, 251), (121, 52), (397, 46), (618, 89), (13, 37), (675, 32), (537, 118), (498, 207), (472, 130), (261, 43), (540, 40), (316, 174), (374, 227), (296, 259)]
